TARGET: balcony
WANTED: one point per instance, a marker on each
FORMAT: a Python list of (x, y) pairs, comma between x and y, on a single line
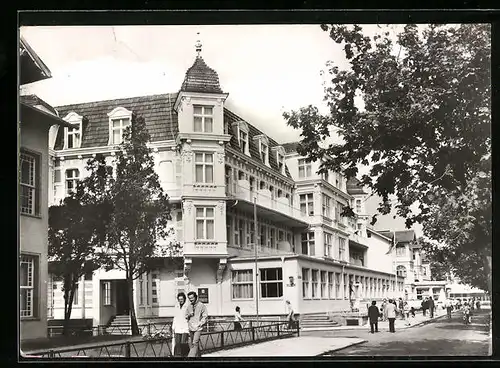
[(275, 209), (283, 248), (205, 249)]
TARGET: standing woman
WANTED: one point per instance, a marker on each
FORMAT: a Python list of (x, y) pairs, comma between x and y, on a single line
[(238, 319), (290, 315), (180, 328)]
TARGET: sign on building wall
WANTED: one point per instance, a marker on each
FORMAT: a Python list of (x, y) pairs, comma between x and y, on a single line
[(203, 295)]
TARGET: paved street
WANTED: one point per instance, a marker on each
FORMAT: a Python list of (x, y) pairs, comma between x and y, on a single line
[(438, 338)]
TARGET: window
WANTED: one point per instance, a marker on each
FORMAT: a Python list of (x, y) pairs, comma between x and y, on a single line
[(425, 271), (204, 167), (414, 256), (325, 176), (358, 205), (264, 154), (305, 283), (251, 234), (271, 282), (263, 235), (306, 204), (241, 229), (118, 127), (30, 183), (314, 283), (331, 284), (229, 231), (28, 281), (236, 234), (141, 292), (72, 176), (324, 294), (154, 288), (337, 285), (328, 245), (73, 136), (304, 168), (205, 223), (272, 239), (308, 243), (281, 162), (243, 141), (400, 251), (203, 119), (106, 292), (341, 249), (419, 294), (326, 205), (242, 284)]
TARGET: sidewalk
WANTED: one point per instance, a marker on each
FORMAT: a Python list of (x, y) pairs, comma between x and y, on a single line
[(398, 325), (294, 346)]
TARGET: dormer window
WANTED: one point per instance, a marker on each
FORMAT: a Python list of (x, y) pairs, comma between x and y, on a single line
[(305, 169), (240, 129), (263, 147), (243, 141), (73, 136), (264, 152), (203, 118), (119, 119), (280, 158)]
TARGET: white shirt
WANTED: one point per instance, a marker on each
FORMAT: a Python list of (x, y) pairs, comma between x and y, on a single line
[(237, 317), (180, 323)]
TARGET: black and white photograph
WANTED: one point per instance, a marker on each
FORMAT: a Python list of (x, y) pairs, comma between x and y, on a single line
[(255, 190)]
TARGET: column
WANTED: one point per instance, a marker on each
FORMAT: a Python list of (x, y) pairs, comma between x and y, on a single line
[(82, 283)]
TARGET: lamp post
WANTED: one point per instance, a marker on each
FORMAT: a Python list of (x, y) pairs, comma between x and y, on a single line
[(256, 254)]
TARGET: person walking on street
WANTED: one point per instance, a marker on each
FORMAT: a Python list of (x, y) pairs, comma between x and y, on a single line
[(390, 310), (196, 315), (373, 315), (238, 319), (290, 315), (406, 313), (448, 308), (401, 308), (424, 306), (384, 303), (431, 307), (180, 328)]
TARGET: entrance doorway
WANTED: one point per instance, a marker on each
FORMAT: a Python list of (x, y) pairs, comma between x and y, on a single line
[(122, 302)]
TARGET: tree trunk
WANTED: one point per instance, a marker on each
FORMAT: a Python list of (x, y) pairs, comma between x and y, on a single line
[(487, 268), (133, 318), (68, 306)]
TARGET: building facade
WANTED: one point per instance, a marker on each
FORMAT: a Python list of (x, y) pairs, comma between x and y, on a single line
[(35, 119), (220, 172)]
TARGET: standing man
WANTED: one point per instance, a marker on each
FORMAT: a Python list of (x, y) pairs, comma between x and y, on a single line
[(196, 315), (431, 307), (424, 306), (290, 315), (373, 315), (390, 311), (448, 308)]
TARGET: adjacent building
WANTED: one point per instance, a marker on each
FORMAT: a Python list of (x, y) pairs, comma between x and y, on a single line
[(218, 169), (35, 119)]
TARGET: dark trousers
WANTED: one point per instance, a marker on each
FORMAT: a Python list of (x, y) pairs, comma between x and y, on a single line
[(374, 325), (448, 311), (431, 311), (181, 348), (423, 311), (391, 324)]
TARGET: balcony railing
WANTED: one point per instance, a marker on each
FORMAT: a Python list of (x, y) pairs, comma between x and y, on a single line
[(241, 190)]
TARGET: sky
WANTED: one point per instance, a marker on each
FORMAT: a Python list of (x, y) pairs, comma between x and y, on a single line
[(266, 69)]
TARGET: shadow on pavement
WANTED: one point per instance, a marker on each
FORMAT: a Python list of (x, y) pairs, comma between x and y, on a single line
[(479, 328)]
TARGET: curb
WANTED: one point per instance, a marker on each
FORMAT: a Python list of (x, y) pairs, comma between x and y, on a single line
[(361, 328), (342, 348)]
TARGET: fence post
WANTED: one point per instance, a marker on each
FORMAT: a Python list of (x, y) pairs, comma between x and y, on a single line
[(253, 333), (52, 354), (278, 328), (222, 339), (127, 349), (297, 323), (149, 328)]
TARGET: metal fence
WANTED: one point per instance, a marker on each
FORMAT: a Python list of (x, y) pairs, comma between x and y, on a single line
[(149, 328), (219, 339)]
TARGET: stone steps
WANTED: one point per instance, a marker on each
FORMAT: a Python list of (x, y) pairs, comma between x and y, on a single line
[(120, 325)]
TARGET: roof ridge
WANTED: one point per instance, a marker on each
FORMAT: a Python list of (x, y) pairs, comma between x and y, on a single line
[(116, 99)]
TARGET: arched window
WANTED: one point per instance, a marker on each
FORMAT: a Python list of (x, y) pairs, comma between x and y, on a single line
[(401, 271)]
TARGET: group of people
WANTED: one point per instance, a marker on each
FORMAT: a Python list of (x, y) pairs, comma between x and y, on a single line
[(189, 320), (389, 310), (428, 305)]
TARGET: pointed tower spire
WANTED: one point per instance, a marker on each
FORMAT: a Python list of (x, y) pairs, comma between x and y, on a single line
[(198, 46)]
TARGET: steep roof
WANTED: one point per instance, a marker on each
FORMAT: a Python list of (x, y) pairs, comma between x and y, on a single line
[(405, 236), (32, 68), (231, 117), (354, 186), (201, 78), (157, 110), (290, 147), (35, 101)]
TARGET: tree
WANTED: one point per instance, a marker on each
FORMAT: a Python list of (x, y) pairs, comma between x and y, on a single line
[(140, 210), (424, 129), (75, 231)]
